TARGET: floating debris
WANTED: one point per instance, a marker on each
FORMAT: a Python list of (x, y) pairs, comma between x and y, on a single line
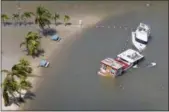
[(135, 66), (121, 86), (147, 4), (152, 64), (108, 26), (125, 28), (161, 86), (114, 26)]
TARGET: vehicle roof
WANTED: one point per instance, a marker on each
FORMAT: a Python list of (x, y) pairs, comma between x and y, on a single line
[(112, 63), (130, 55)]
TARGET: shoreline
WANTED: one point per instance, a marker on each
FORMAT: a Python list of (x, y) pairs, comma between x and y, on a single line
[(70, 36)]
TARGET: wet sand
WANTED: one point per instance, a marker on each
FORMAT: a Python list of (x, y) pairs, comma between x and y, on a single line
[(72, 83)]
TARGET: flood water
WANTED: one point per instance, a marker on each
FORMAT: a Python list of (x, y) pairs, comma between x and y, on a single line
[(72, 82)]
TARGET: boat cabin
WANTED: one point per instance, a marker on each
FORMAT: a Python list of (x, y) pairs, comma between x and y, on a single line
[(110, 67), (143, 28), (130, 56)]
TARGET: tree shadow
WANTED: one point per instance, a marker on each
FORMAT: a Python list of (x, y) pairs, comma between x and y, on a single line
[(49, 32), (29, 96), (58, 23), (18, 101), (7, 23), (68, 24), (40, 52), (30, 23)]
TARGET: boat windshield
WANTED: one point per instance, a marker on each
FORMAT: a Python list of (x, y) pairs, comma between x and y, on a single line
[(124, 60), (141, 41)]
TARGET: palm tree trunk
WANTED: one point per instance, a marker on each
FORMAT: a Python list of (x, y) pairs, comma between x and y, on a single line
[(20, 97), (48, 26), (25, 22), (6, 98), (55, 21), (3, 21), (15, 21)]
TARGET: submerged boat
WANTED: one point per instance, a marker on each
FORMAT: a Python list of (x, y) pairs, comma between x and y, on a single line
[(141, 36), (123, 62)]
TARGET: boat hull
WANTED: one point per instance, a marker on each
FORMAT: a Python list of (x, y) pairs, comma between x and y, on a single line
[(136, 44)]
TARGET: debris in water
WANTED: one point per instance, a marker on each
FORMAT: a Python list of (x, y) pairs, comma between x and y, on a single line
[(80, 23), (152, 64), (162, 87), (135, 66), (114, 26), (121, 86), (147, 4)]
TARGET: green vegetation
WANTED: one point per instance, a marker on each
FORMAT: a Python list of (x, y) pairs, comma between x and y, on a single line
[(66, 19), (32, 43), (16, 18), (26, 15), (43, 17), (4, 18), (56, 17), (16, 79)]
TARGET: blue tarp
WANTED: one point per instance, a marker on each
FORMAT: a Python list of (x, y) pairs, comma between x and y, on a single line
[(55, 37), (43, 62)]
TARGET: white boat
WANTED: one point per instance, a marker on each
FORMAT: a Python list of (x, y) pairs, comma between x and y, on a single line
[(141, 36)]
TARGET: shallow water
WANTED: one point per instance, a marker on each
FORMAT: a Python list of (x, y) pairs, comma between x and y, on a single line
[(72, 82)]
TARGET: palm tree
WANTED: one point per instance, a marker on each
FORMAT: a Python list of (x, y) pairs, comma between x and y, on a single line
[(26, 15), (4, 18), (42, 17), (56, 17), (10, 86), (24, 85), (6, 97), (25, 66), (66, 19), (16, 18), (9, 73), (32, 43), (24, 62)]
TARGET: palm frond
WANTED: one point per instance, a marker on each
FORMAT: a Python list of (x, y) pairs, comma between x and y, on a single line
[(23, 43), (5, 71)]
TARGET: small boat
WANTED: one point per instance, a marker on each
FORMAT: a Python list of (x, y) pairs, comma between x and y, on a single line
[(141, 36)]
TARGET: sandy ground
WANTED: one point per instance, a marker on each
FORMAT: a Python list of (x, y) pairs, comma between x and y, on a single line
[(87, 11), (49, 46), (13, 36)]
